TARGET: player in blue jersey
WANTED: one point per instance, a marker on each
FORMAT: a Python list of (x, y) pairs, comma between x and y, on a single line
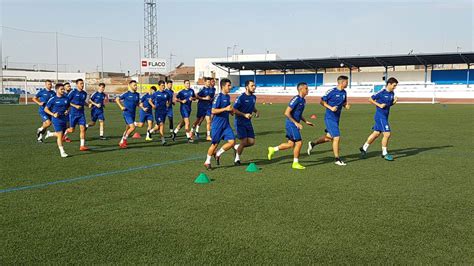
[(97, 105), (41, 98), (383, 100), (160, 103), (294, 116), (77, 116), (128, 102), (244, 110), (169, 114), (186, 97), (146, 112), (67, 88), (334, 100), (57, 107), (220, 126), (205, 96)]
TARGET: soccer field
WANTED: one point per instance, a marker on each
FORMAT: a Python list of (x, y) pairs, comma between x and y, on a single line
[(140, 205)]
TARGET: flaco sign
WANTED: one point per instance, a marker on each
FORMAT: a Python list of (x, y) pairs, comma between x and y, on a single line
[(154, 65)]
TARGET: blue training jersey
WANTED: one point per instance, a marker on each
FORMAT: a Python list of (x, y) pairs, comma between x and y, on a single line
[(186, 94), (171, 94), (383, 97), (146, 103), (77, 97), (221, 101), (98, 98), (335, 97), (297, 105), (44, 95), (130, 101), (204, 92), (160, 99), (58, 105), (245, 104)]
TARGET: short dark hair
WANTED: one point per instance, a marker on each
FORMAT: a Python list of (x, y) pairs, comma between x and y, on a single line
[(48, 80), (225, 81), (342, 77), (208, 78), (58, 85), (102, 84), (132, 81), (161, 82), (301, 84), (169, 81), (67, 83), (154, 87), (392, 80), (247, 82), (77, 80), (186, 80)]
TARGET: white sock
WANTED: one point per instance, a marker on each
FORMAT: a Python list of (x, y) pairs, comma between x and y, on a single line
[(192, 130), (188, 135), (209, 133), (276, 148), (366, 146), (101, 132), (135, 123), (236, 146), (87, 126), (61, 149), (40, 129), (384, 151), (220, 152), (49, 134), (176, 131), (295, 160), (171, 130), (152, 131), (208, 159), (83, 142), (197, 128), (237, 157)]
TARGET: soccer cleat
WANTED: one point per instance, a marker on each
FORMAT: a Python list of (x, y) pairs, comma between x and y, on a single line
[(208, 138), (190, 141), (363, 154), (102, 138), (48, 133), (388, 157), (197, 135), (208, 166), (310, 148), (83, 148), (39, 140), (173, 136), (218, 159), (237, 162), (123, 144), (64, 155), (271, 151), (39, 135), (297, 166), (148, 139), (340, 162), (163, 143), (66, 139)]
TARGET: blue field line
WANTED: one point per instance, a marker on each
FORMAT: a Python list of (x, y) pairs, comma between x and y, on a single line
[(80, 178)]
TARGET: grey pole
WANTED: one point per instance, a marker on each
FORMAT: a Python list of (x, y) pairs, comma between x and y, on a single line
[(350, 77), (57, 58), (102, 58), (468, 68), (315, 79), (140, 64), (1, 60)]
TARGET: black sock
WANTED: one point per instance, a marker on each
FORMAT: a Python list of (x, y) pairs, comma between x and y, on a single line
[(171, 123)]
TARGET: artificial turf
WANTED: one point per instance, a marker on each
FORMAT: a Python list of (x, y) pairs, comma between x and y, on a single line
[(140, 205)]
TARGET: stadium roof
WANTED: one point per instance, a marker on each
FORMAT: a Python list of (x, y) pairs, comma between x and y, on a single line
[(353, 61)]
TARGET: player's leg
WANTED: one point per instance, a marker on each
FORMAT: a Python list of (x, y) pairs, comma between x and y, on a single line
[(227, 134), (73, 121), (178, 127), (372, 137), (101, 129), (187, 127), (385, 139), (148, 129), (296, 155), (335, 148), (210, 152), (170, 122), (162, 133), (94, 118), (208, 127), (59, 141), (82, 136), (330, 126), (45, 124)]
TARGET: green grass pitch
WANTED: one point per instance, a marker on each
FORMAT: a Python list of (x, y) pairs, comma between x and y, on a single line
[(140, 205)]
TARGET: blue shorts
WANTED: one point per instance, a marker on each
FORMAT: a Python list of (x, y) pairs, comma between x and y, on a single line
[(44, 116), (292, 132), (129, 117), (145, 116), (219, 132), (77, 119), (209, 111), (185, 113), (202, 111), (332, 127), (381, 124), (160, 118), (60, 123), (244, 130), (97, 114)]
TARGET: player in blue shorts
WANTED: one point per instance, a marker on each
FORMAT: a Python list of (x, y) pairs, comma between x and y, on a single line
[(160, 103), (96, 103), (77, 116), (130, 100), (57, 107), (244, 108), (169, 115), (41, 98), (205, 96), (146, 112), (383, 100), (186, 97), (220, 126), (334, 100), (294, 116)]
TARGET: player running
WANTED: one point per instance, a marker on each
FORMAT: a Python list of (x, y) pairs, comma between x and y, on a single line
[(333, 101), (185, 97), (57, 107), (169, 114), (294, 115), (96, 103), (146, 112), (244, 108), (220, 126), (205, 96), (130, 100), (41, 98), (77, 100), (383, 100), (160, 102)]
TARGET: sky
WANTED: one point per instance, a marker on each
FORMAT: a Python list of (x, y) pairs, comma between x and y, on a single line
[(193, 29)]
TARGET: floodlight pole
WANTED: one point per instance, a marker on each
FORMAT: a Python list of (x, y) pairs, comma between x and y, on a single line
[(255, 77), (350, 77), (316, 79), (57, 58), (102, 58), (284, 79), (468, 68)]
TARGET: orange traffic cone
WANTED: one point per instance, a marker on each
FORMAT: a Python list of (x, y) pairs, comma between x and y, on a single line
[(313, 116), (136, 135)]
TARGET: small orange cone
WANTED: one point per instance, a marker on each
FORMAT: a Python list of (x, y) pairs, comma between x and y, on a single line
[(136, 135), (313, 116)]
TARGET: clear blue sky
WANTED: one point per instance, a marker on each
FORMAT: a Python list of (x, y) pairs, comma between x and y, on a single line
[(190, 29)]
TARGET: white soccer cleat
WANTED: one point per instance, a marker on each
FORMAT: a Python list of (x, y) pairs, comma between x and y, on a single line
[(340, 163), (310, 148), (48, 134), (64, 155)]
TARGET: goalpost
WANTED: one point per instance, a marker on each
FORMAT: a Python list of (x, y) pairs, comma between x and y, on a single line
[(15, 85)]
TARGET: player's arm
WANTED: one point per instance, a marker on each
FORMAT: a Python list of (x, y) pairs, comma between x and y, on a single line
[(150, 101), (37, 101), (216, 111), (91, 102), (119, 103), (395, 100), (142, 106), (374, 102), (289, 116), (327, 106), (347, 106), (239, 113), (306, 121)]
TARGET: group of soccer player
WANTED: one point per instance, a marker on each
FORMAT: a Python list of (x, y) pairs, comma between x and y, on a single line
[(64, 109)]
